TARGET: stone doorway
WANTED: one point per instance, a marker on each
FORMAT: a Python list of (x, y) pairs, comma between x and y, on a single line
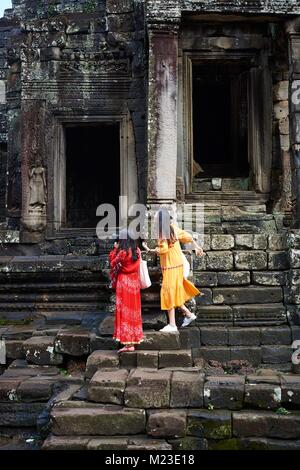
[(92, 171), (220, 120)]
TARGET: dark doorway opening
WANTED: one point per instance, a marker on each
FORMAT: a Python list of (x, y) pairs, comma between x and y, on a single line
[(220, 119), (92, 171)]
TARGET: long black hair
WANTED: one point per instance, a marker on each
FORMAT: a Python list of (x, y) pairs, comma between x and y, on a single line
[(163, 226), (127, 243)]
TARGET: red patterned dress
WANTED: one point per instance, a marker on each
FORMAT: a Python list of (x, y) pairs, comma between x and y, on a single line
[(126, 279)]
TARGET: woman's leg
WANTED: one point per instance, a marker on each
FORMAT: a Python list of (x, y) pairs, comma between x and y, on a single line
[(186, 311), (171, 315)]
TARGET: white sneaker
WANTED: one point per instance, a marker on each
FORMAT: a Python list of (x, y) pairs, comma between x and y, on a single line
[(188, 320), (169, 329)]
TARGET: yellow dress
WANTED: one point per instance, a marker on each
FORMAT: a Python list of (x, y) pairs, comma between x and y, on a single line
[(175, 290)]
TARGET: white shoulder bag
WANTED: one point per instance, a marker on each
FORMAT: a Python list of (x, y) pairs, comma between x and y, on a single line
[(145, 280)]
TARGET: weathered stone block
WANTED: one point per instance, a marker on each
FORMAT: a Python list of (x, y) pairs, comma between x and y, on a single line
[(251, 354), (278, 260), (276, 354), (108, 387), (269, 279), (147, 359), (210, 424), (281, 91), (20, 415), (234, 278), (253, 260), (189, 443), (281, 110), (65, 443), (14, 349), (101, 360), (35, 389), (222, 242), (244, 241), (290, 387), (294, 258), (224, 392), (212, 353), (8, 388), (97, 420), (245, 313), (73, 342), (280, 335), (277, 242), (214, 313), (260, 242), (219, 260), (148, 389), (214, 336), (266, 424), (128, 360), (264, 396), (120, 23), (205, 298), (40, 350), (247, 295), (189, 337), (119, 6), (173, 358), (244, 336), (186, 390), (205, 279), (169, 423), (145, 443), (154, 340), (111, 443)]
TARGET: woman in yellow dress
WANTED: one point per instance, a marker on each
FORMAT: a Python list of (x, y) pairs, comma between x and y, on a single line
[(175, 290)]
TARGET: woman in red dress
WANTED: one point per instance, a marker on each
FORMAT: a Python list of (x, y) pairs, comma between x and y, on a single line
[(125, 261)]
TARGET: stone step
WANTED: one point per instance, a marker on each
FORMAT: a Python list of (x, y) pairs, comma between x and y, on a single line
[(189, 387), (138, 442), (73, 419)]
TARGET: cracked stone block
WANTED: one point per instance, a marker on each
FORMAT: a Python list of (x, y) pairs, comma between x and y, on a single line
[(214, 424), (147, 359), (266, 424), (186, 390), (168, 424), (277, 242), (205, 279), (40, 350), (224, 392), (108, 387), (264, 396), (253, 260), (174, 358), (260, 242), (244, 336), (101, 360), (97, 420), (73, 342), (148, 388)]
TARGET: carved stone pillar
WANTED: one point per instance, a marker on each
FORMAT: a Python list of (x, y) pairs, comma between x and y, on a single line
[(162, 112), (33, 170), (293, 31)]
